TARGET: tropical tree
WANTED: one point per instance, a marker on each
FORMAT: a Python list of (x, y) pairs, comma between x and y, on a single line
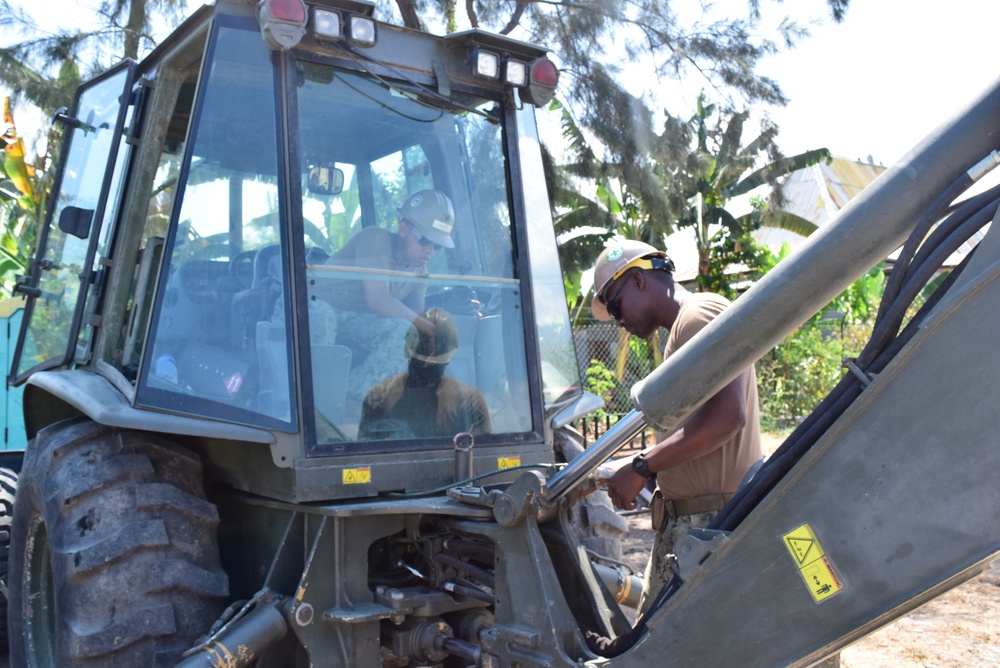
[(44, 68), (700, 165), (719, 169), (23, 193), (597, 41)]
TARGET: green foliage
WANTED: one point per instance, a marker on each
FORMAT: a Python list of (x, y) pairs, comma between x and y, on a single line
[(640, 349), (17, 241), (795, 375), (24, 191), (600, 381), (734, 258), (719, 168)]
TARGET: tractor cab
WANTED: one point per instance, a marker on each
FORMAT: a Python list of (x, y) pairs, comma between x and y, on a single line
[(329, 233)]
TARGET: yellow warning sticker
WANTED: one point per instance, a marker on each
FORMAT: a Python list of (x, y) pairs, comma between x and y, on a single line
[(508, 462), (814, 565), (357, 476)]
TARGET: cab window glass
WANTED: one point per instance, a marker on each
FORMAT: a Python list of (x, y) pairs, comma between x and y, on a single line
[(220, 339), (414, 308), (65, 247)]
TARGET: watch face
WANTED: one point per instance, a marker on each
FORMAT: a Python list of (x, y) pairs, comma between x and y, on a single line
[(641, 466)]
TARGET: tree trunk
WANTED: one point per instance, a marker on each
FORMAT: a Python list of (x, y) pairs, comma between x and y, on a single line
[(410, 18), (133, 30)]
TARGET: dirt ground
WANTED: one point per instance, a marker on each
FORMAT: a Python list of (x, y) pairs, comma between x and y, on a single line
[(958, 630)]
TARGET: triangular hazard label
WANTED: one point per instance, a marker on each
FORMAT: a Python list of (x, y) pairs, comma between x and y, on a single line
[(800, 547)]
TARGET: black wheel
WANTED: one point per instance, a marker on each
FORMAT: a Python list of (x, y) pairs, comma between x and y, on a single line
[(8, 487), (114, 559), (597, 524)]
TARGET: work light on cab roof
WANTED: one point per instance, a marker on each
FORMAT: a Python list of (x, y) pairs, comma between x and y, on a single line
[(283, 23), (489, 65), (331, 25), (537, 79)]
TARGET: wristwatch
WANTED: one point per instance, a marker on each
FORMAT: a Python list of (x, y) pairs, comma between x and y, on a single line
[(641, 466)]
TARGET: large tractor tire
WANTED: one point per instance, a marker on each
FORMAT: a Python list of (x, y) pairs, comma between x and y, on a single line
[(597, 524), (8, 487), (114, 559)]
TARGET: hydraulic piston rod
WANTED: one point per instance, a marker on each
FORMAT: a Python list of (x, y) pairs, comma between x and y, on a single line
[(620, 433)]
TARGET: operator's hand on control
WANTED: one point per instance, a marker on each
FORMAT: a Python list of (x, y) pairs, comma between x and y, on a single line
[(597, 481), (625, 485)]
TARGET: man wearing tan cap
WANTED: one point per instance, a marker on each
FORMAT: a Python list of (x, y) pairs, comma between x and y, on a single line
[(423, 401), (699, 464)]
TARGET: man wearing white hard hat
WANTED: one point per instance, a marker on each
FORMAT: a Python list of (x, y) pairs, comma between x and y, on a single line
[(700, 463), (378, 306)]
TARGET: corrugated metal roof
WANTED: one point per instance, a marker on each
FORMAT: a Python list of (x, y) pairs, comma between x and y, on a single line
[(816, 193)]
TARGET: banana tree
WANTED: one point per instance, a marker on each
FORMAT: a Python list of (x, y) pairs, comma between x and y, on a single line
[(717, 172), (23, 191)]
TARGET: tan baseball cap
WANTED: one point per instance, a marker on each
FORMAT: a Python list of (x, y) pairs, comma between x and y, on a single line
[(619, 256)]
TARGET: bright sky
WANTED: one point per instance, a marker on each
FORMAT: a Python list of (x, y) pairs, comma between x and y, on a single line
[(887, 76)]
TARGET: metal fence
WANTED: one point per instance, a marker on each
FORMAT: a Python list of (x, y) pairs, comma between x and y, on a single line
[(604, 342), (594, 426)]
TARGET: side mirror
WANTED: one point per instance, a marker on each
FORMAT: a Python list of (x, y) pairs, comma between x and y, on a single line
[(326, 180), (76, 221)]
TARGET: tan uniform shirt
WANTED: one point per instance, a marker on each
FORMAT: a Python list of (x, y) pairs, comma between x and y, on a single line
[(448, 409), (379, 249), (721, 470)]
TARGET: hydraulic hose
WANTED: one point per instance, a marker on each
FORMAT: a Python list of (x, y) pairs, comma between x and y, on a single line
[(917, 276), (934, 213), (961, 213), (828, 411)]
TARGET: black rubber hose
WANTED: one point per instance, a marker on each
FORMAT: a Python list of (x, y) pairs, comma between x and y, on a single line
[(967, 209), (934, 213), (828, 411), (917, 278)]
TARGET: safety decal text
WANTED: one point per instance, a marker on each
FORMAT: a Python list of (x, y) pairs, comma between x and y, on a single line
[(814, 565)]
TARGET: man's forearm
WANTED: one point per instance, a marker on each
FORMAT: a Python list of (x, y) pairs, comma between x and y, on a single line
[(714, 423)]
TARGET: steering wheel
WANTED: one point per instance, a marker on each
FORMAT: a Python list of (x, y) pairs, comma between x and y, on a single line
[(241, 269)]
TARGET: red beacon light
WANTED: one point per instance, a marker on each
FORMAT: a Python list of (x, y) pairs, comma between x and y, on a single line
[(282, 22), (543, 77)]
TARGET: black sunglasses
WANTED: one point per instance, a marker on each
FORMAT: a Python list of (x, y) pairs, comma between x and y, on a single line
[(612, 302), (424, 241), (421, 239)]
